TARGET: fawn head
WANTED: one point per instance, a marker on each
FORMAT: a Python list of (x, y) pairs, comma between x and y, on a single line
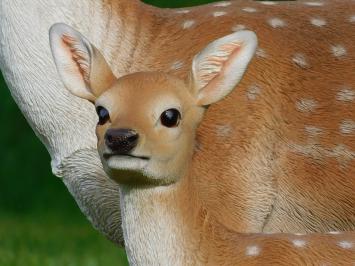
[(147, 120)]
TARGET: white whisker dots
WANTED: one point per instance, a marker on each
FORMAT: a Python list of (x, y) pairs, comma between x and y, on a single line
[(188, 24), (252, 251), (314, 3), (338, 50), (177, 65), (223, 4), (318, 22), (268, 3), (276, 23), (238, 27), (345, 244), (183, 11), (249, 9), (219, 13), (299, 243)]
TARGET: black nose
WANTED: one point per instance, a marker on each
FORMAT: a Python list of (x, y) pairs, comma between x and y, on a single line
[(121, 141)]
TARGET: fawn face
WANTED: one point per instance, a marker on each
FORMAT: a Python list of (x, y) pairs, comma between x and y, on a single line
[(147, 120)]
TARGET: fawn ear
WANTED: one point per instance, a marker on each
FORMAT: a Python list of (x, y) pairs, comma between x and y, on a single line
[(218, 68), (82, 68)]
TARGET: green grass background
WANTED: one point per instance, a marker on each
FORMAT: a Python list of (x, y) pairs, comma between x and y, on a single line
[(40, 223)]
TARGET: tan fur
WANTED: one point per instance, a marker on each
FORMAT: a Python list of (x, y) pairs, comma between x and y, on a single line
[(273, 156)]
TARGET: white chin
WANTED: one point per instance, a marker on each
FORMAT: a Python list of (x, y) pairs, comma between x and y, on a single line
[(121, 162)]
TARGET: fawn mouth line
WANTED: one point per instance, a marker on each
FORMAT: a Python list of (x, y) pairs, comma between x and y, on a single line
[(108, 155)]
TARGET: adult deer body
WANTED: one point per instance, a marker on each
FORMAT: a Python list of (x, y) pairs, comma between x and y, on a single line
[(268, 153)]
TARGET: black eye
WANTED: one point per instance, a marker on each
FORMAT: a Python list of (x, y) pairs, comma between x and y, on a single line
[(170, 118), (103, 114)]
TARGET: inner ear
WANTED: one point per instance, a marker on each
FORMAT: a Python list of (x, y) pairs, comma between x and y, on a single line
[(82, 68), (220, 66)]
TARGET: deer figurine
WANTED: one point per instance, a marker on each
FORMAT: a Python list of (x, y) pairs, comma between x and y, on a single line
[(283, 142), (173, 211)]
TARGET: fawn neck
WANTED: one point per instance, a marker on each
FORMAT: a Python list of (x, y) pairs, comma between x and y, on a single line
[(162, 224)]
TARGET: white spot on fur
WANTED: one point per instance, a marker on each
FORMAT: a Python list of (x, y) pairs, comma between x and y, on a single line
[(219, 13), (276, 23), (188, 24), (299, 234), (183, 11), (314, 3), (347, 127), (261, 53), (252, 251), (268, 3), (238, 27), (299, 243), (352, 19), (345, 244), (318, 22), (253, 92), (222, 4), (346, 94), (300, 60), (338, 50), (313, 131), (224, 130), (334, 232), (306, 105), (177, 65), (249, 9)]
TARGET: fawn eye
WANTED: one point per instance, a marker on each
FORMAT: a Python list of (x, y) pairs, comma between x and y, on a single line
[(170, 118), (103, 114)]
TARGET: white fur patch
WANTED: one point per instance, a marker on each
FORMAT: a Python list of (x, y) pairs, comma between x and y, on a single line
[(318, 22), (261, 53), (219, 13), (346, 94), (313, 131), (188, 24), (183, 11), (299, 243), (345, 244), (314, 3), (352, 19), (253, 92), (300, 60), (338, 50), (223, 130), (252, 251), (249, 9), (334, 232), (347, 127), (238, 27), (306, 105), (276, 23), (223, 4), (268, 3), (177, 65)]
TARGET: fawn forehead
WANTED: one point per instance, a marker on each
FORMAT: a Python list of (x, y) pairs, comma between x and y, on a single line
[(145, 90)]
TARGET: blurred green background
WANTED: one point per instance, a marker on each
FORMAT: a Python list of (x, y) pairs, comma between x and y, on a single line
[(40, 223)]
